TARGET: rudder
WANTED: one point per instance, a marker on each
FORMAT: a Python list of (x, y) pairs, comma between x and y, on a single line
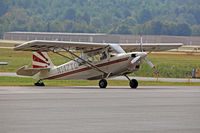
[(41, 60)]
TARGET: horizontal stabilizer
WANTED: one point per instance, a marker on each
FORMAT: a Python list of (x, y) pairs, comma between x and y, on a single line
[(25, 71)]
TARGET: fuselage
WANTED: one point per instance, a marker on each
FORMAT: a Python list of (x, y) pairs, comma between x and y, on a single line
[(116, 65)]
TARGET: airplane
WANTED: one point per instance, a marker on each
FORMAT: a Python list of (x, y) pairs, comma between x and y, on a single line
[(88, 60)]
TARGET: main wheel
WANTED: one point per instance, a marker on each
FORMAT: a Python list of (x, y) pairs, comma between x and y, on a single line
[(103, 83), (133, 83)]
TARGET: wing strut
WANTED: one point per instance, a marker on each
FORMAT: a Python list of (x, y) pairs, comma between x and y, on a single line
[(64, 56), (91, 65)]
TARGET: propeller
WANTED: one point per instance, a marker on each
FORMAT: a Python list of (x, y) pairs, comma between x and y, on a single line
[(149, 62), (141, 43), (135, 59), (139, 57)]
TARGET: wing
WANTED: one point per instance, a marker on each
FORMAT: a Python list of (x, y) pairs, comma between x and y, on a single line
[(150, 46), (42, 45)]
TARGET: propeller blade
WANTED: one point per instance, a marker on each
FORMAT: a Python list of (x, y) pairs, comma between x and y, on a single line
[(141, 43), (149, 62), (135, 59)]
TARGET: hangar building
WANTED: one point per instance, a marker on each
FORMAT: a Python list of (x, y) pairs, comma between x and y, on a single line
[(98, 37)]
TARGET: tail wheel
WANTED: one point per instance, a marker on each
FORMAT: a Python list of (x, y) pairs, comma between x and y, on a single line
[(103, 83), (133, 83), (39, 83)]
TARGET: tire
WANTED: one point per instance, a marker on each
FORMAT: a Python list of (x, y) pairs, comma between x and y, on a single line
[(103, 83), (133, 83), (39, 84)]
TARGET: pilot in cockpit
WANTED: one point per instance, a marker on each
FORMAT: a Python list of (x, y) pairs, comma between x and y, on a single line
[(104, 56)]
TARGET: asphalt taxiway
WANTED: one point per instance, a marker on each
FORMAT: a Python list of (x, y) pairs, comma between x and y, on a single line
[(148, 109)]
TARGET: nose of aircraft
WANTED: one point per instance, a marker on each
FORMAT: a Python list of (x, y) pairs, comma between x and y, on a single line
[(138, 56)]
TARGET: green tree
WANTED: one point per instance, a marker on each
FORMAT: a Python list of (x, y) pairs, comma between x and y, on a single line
[(156, 27), (86, 18), (70, 14), (3, 7), (122, 29), (144, 16), (155, 17), (196, 30), (183, 29)]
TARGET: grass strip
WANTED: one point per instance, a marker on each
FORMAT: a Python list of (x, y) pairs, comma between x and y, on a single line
[(6, 45), (19, 81)]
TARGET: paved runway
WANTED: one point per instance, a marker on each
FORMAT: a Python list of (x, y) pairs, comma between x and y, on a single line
[(92, 110)]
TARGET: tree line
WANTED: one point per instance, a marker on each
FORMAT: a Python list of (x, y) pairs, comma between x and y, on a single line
[(155, 17)]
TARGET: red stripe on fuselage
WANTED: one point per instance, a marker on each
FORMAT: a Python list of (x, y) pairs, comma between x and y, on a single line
[(35, 66), (87, 68)]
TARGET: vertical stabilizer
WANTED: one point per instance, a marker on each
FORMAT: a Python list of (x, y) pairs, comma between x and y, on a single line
[(41, 60)]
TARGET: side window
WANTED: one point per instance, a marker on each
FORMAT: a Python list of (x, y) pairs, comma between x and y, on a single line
[(104, 56)]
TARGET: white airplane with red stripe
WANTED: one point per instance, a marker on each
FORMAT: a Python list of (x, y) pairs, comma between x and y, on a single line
[(95, 61)]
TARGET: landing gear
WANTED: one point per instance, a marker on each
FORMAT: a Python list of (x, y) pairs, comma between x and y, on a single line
[(102, 83), (39, 83), (133, 82)]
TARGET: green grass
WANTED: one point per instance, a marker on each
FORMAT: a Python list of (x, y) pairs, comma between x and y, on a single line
[(7, 45), (17, 59), (18, 81), (170, 65)]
